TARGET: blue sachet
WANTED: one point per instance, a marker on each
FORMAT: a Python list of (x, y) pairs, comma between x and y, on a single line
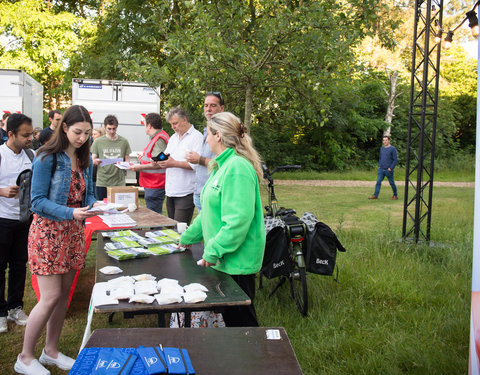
[(173, 358), (188, 362), (87, 360), (113, 361), (153, 360)]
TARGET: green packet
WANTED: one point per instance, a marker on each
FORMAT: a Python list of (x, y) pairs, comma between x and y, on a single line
[(123, 254), (172, 234), (129, 242), (165, 249), (120, 233)]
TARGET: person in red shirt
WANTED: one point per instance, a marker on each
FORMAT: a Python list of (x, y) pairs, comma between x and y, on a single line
[(151, 176)]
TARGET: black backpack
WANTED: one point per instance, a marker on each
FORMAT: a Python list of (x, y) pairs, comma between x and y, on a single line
[(24, 182)]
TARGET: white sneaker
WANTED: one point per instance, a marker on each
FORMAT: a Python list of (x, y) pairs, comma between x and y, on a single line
[(34, 368), (3, 324), (18, 316), (62, 361)]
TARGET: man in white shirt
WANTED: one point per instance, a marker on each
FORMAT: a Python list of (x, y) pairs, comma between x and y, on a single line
[(180, 176), (14, 234)]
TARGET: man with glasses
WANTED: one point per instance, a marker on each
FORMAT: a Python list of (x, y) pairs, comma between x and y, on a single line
[(213, 104)]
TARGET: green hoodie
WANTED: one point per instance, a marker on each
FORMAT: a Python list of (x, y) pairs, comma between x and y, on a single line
[(231, 220)]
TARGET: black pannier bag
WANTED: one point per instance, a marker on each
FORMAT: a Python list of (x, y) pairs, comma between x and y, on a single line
[(276, 260), (321, 251)]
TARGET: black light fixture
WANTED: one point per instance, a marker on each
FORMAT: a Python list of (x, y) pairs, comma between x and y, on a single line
[(448, 40), (473, 22)]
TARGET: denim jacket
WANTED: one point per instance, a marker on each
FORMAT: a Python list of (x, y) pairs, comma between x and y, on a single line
[(49, 193)]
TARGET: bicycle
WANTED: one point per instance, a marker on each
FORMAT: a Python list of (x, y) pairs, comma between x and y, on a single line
[(295, 231)]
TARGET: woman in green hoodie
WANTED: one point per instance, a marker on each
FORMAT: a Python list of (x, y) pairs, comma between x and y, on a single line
[(231, 220)]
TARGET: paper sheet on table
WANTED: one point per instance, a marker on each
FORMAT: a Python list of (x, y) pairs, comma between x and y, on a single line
[(104, 162)]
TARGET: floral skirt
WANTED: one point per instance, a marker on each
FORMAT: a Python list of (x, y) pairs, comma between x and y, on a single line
[(55, 247)]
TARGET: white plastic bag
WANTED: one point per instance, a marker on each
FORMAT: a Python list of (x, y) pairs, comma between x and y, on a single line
[(194, 297), (165, 299), (141, 298), (195, 286)]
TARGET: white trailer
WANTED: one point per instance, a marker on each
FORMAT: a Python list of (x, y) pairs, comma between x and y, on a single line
[(128, 101), (20, 93)]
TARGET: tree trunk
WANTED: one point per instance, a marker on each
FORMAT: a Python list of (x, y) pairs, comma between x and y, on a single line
[(392, 95), (248, 105)]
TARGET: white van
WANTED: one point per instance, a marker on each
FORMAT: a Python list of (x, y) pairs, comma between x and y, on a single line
[(20, 93)]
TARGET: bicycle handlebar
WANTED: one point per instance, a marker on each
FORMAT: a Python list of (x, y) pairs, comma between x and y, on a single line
[(267, 174)]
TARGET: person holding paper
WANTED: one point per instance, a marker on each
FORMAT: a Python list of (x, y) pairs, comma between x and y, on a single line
[(152, 176), (180, 176), (110, 147), (61, 194), (231, 220)]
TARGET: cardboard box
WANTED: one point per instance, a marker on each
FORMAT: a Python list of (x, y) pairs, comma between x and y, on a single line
[(123, 195)]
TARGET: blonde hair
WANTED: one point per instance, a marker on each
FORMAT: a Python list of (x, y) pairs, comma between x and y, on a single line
[(100, 131), (234, 135)]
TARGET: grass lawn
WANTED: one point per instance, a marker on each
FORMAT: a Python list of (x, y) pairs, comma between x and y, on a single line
[(397, 309), (465, 174)]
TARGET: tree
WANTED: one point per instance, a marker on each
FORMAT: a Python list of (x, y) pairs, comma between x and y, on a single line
[(41, 42)]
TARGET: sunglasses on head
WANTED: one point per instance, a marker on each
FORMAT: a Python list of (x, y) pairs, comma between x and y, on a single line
[(218, 94)]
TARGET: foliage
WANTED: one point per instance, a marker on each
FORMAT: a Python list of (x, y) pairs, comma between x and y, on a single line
[(41, 42)]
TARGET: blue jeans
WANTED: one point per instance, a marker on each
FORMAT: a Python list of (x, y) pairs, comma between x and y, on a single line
[(154, 199), (381, 174), (196, 202)]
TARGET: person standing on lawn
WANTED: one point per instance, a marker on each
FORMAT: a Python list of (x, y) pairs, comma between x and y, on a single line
[(213, 104), (61, 196), (151, 176), (109, 146), (230, 223), (386, 164), (14, 158)]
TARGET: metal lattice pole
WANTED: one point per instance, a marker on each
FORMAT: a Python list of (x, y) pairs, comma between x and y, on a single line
[(422, 123)]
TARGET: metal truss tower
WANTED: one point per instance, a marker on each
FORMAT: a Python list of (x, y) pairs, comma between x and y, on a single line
[(417, 209)]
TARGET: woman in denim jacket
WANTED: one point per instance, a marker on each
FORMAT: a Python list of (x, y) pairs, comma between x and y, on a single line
[(61, 195)]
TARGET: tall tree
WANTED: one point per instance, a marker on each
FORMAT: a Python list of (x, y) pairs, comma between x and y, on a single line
[(41, 42)]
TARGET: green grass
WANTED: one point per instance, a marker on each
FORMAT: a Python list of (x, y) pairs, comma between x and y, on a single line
[(448, 175), (397, 309)]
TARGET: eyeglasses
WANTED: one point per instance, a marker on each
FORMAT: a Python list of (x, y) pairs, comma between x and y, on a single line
[(218, 94)]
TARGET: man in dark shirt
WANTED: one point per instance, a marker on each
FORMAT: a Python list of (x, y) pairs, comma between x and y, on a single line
[(55, 117), (3, 129), (386, 163)]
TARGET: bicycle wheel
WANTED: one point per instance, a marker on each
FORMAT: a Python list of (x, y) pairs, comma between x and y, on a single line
[(298, 288)]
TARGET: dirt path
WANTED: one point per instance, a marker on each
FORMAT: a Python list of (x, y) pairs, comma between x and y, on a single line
[(352, 183)]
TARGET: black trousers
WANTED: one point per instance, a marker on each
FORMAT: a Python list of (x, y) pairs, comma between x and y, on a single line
[(180, 208), (242, 316), (14, 255)]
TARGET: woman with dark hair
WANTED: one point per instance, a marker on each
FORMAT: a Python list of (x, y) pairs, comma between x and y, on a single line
[(231, 220), (61, 195)]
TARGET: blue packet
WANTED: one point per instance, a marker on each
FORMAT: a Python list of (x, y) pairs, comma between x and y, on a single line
[(173, 358), (187, 361), (113, 361), (87, 360), (153, 359)]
